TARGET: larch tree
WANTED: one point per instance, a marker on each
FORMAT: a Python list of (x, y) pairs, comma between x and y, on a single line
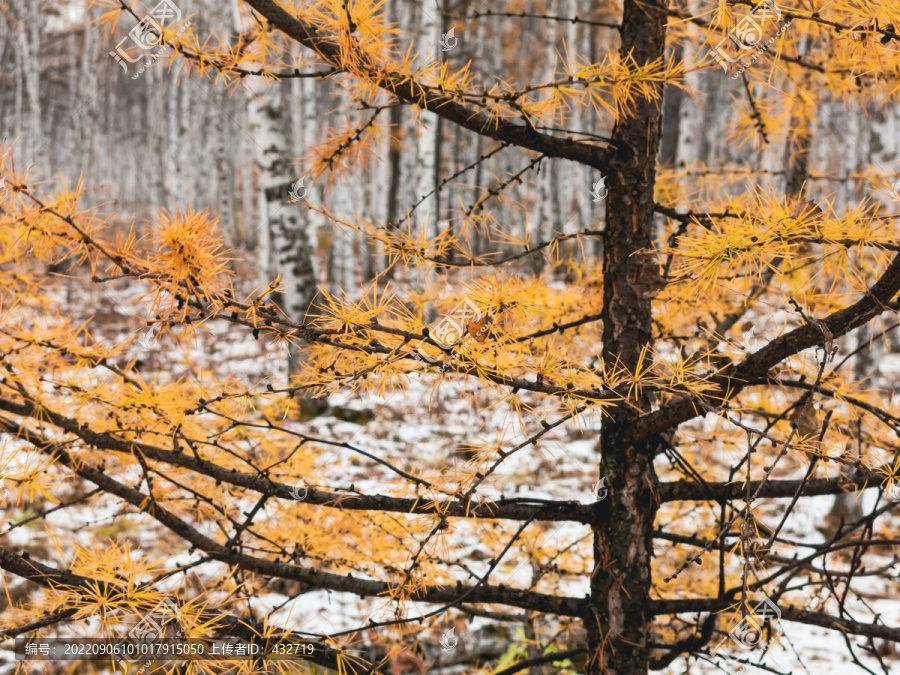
[(709, 331)]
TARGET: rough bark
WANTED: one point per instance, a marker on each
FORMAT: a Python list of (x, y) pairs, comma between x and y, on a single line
[(617, 631)]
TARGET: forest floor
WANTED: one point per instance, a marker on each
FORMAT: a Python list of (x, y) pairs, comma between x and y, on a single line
[(427, 426)]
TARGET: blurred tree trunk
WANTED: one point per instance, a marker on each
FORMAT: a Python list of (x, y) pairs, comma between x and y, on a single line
[(281, 219), (545, 214), (285, 247), (224, 186), (395, 152), (671, 121), (427, 161), (847, 507), (796, 149), (29, 28)]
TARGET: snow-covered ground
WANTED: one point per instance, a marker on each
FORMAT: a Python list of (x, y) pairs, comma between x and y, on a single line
[(421, 429)]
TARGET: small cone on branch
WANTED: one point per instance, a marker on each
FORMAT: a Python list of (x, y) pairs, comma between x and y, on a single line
[(806, 209), (808, 423), (646, 280)]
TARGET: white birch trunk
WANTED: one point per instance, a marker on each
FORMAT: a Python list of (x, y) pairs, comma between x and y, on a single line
[(309, 135), (173, 136), (28, 40), (590, 212), (545, 214), (426, 161), (572, 173), (284, 241)]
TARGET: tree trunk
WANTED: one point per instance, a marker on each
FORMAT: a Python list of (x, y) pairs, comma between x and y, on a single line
[(29, 32), (285, 247), (545, 212), (223, 180), (282, 220), (426, 159), (392, 214), (796, 150), (847, 507), (173, 177), (671, 129), (622, 523)]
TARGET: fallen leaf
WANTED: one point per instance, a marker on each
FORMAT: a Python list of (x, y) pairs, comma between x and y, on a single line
[(806, 209), (478, 329)]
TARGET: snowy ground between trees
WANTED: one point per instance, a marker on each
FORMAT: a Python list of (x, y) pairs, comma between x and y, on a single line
[(423, 427)]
